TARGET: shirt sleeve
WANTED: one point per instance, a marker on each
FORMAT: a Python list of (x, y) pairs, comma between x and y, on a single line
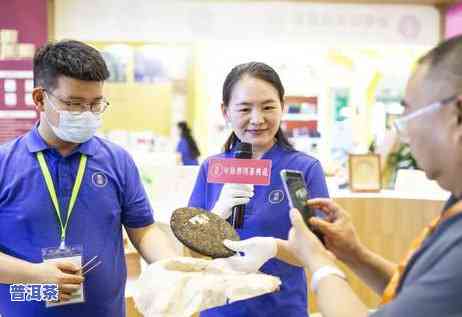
[(316, 181), (436, 293), (136, 210), (198, 195)]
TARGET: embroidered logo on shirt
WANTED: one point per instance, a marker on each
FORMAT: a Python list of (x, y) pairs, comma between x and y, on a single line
[(276, 196), (99, 179)]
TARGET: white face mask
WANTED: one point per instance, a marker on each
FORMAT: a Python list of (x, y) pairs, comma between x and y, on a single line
[(76, 128)]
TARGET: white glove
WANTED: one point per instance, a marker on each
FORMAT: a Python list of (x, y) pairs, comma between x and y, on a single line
[(232, 195), (256, 251)]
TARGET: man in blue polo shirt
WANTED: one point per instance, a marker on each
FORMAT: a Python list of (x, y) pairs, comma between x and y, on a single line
[(64, 191)]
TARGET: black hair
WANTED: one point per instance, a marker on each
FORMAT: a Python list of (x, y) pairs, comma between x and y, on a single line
[(186, 134), (260, 71), (68, 58)]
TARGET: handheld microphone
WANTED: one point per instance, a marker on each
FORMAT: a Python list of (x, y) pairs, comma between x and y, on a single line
[(243, 151)]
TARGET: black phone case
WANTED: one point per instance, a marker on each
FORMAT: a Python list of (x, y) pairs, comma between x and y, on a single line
[(306, 211)]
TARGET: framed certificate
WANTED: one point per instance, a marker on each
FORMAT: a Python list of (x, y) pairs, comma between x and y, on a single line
[(365, 172)]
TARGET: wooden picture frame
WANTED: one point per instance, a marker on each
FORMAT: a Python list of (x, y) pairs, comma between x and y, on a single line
[(365, 172)]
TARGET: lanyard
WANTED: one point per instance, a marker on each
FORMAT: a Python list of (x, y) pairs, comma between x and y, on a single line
[(52, 191)]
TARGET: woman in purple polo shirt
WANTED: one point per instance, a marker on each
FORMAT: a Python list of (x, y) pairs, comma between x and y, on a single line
[(253, 101)]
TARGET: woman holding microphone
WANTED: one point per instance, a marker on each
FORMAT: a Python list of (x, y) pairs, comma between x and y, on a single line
[(253, 104)]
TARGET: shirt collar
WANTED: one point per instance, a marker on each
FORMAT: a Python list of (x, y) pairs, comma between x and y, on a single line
[(36, 143), (451, 201), (272, 152)]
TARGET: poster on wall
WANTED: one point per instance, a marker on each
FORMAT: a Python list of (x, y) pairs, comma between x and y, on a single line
[(17, 110), (162, 64), (341, 100), (149, 66), (342, 130), (117, 58), (21, 33)]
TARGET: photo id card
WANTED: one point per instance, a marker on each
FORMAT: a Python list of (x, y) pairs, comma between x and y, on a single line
[(72, 254)]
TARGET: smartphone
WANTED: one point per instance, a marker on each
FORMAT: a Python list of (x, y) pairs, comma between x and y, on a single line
[(297, 193)]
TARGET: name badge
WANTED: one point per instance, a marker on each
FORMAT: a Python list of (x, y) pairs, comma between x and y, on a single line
[(72, 254)]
